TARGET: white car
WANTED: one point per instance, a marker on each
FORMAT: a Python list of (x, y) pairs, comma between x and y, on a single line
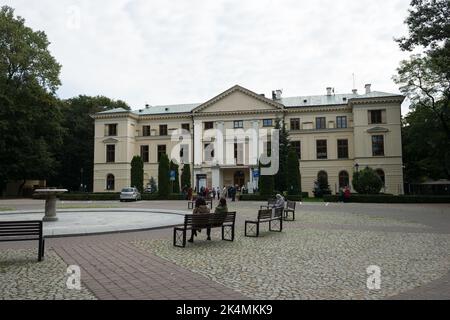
[(130, 193)]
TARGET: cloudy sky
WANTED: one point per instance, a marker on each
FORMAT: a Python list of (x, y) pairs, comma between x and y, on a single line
[(185, 51)]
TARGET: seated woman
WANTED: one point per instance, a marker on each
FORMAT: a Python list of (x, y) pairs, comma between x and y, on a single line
[(200, 208), (221, 208), (280, 202)]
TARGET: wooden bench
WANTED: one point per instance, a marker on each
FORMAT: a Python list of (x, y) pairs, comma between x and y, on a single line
[(209, 202), (290, 210), (226, 221), (269, 205), (23, 231), (265, 215)]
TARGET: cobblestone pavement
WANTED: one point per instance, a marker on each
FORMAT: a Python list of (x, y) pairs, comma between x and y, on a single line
[(322, 255), (23, 277)]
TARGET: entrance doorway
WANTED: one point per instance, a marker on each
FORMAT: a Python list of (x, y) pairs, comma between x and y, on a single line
[(239, 178), (201, 181)]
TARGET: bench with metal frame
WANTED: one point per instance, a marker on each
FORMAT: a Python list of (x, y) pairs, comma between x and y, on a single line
[(290, 210), (270, 203), (225, 220), (273, 216), (23, 231), (209, 202)]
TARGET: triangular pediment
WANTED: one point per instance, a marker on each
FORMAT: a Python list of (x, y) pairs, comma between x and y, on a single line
[(238, 99)]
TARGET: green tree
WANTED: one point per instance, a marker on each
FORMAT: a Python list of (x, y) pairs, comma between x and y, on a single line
[(163, 177), (176, 183), (137, 173), (266, 183), (367, 181), (283, 151), (293, 174), (424, 78), (186, 176), (30, 129), (78, 139)]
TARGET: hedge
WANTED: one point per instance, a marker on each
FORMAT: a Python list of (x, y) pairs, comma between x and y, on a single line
[(115, 196), (385, 198), (258, 197)]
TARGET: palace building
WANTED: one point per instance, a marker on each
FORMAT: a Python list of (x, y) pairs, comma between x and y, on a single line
[(333, 134)]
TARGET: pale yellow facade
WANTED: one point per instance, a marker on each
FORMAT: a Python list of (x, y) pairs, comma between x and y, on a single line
[(242, 108)]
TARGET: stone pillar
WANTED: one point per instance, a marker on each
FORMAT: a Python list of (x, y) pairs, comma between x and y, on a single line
[(215, 175), (50, 208), (251, 181), (254, 153)]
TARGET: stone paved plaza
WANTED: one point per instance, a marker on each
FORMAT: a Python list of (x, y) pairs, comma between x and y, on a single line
[(322, 255)]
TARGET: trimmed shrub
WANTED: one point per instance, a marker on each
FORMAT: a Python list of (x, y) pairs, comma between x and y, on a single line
[(367, 181), (385, 198), (89, 196), (163, 176), (137, 173), (293, 177)]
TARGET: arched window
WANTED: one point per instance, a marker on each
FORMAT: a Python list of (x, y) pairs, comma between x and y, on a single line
[(344, 180), (322, 175), (110, 182), (380, 173)]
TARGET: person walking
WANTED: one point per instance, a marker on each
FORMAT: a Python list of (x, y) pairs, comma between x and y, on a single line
[(200, 208), (347, 194), (218, 193)]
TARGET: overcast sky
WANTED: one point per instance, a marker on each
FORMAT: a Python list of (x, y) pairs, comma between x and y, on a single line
[(167, 52)]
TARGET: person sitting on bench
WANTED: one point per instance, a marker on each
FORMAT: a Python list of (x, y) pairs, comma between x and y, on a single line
[(221, 208), (200, 207)]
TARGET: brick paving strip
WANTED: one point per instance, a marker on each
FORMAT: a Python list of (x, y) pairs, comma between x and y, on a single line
[(119, 270)]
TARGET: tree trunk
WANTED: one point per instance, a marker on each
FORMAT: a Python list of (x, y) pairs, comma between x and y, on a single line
[(19, 192)]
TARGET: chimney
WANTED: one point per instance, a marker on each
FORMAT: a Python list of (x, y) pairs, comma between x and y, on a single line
[(355, 91), (367, 86), (276, 94), (329, 89)]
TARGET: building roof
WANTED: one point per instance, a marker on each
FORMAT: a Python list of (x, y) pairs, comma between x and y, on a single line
[(288, 102), (334, 99)]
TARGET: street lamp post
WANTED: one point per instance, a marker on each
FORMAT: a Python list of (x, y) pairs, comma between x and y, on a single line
[(356, 167)]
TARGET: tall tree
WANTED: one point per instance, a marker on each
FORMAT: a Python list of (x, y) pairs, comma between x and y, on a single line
[(163, 177), (30, 130), (77, 156), (425, 79), (266, 183), (186, 176), (137, 173), (176, 183), (283, 151), (293, 174)]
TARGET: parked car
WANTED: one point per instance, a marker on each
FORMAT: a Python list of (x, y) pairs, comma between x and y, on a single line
[(130, 193)]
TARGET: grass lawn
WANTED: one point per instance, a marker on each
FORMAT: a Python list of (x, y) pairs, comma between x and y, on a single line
[(7, 209)]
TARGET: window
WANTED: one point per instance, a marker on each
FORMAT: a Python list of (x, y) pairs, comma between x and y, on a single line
[(344, 179), (209, 125), (238, 124), (375, 116), (268, 148), (110, 182), (239, 153), (342, 146), (184, 153), (380, 173), (322, 179), (163, 129), (209, 152), (321, 123), (297, 146), (186, 126), (378, 145), (144, 153), (295, 124), (341, 122), (110, 153), (111, 129), (321, 148), (267, 123), (146, 131), (161, 151)]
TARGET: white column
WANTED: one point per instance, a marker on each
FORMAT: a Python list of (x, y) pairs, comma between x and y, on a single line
[(251, 182), (215, 172), (254, 153), (219, 145), (198, 146)]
